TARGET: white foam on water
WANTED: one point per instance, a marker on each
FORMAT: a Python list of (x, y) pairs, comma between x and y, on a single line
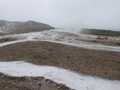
[(58, 36)]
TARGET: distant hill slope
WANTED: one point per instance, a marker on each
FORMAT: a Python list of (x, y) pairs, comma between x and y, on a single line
[(22, 27), (100, 32)]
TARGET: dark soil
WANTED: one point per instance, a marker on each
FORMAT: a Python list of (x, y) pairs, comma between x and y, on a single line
[(28, 83)]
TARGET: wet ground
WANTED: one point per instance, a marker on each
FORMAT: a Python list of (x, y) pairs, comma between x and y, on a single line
[(28, 83), (93, 62), (73, 39), (66, 50)]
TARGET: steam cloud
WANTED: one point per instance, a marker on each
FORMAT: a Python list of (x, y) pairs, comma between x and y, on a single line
[(101, 14)]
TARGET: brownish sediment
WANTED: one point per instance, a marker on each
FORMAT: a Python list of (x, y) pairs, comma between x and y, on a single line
[(28, 83), (93, 62)]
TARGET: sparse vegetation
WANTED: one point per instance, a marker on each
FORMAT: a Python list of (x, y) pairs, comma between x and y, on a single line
[(102, 38), (99, 37), (6, 40), (94, 41), (118, 62), (117, 43), (106, 38), (56, 63), (101, 32)]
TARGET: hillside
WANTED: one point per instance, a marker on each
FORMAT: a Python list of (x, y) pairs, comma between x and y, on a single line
[(22, 27), (100, 32)]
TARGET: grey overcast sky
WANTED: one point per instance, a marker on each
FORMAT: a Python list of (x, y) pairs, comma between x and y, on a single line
[(101, 14)]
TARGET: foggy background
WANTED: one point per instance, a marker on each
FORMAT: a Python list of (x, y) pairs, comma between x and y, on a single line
[(100, 14)]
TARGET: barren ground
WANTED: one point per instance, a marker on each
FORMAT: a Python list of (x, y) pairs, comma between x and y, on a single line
[(28, 83), (99, 63)]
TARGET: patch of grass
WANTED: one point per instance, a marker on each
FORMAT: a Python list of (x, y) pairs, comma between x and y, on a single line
[(94, 41), (106, 37), (99, 37), (102, 38), (101, 32), (6, 40), (56, 63), (118, 62), (117, 43)]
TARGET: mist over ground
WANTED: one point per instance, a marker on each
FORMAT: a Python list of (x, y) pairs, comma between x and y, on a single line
[(100, 14)]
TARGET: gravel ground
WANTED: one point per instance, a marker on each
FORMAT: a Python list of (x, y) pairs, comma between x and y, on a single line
[(99, 63), (28, 83)]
